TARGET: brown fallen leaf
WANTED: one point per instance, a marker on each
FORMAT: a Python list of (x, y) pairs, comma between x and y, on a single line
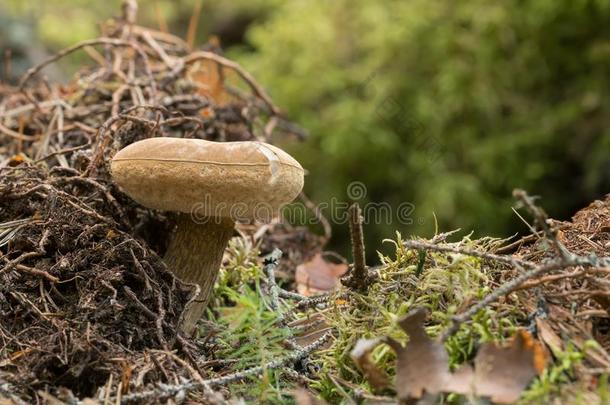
[(318, 276), (361, 354), (423, 365), (500, 372)]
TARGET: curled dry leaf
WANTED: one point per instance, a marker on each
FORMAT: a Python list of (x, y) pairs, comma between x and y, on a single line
[(361, 354), (318, 275), (500, 373)]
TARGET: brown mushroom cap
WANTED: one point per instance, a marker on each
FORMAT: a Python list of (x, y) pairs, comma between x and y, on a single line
[(238, 180)]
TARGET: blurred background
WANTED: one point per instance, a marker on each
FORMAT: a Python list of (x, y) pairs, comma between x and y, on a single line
[(447, 106)]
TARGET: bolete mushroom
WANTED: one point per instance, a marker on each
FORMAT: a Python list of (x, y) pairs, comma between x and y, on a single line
[(210, 185)]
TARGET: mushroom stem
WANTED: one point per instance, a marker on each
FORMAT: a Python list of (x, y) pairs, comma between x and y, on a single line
[(195, 255)]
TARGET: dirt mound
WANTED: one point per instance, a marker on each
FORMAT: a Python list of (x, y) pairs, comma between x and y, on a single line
[(84, 295)]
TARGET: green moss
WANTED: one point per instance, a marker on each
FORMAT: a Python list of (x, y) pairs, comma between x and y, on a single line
[(447, 284)]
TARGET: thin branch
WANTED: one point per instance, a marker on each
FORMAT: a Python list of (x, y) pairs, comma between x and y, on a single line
[(512, 261), (503, 290), (245, 75), (270, 263), (328, 232), (99, 41), (542, 220), (164, 391), (359, 278)]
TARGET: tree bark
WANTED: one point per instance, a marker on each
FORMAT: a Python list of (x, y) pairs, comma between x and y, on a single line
[(194, 256)]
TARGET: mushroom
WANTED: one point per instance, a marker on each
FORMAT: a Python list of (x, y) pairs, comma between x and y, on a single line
[(210, 185)]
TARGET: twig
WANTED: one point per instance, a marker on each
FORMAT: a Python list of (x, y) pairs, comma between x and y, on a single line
[(357, 238), (148, 312), (291, 295), (503, 290), (270, 263), (191, 32), (317, 300), (517, 243), (328, 231), (550, 279), (17, 135), (28, 107), (167, 391), (35, 272), (542, 220), (359, 278), (512, 261), (99, 41)]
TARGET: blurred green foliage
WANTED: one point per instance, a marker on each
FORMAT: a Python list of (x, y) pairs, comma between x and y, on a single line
[(60, 23), (447, 105)]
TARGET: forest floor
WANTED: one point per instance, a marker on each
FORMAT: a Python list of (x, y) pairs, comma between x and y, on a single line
[(90, 312)]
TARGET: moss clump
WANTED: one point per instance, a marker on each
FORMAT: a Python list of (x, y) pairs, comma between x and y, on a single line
[(444, 283)]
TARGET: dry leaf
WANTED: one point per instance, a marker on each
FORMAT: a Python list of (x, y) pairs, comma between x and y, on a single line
[(318, 276), (126, 376), (500, 372), (361, 354), (209, 77), (423, 365)]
